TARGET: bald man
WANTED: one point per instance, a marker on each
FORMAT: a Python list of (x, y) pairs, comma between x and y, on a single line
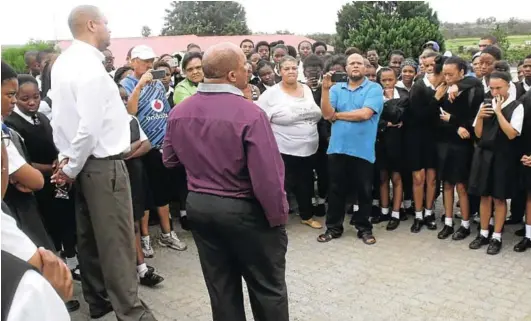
[(92, 133), (237, 205)]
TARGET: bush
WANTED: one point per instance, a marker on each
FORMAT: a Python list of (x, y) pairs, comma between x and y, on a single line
[(14, 56)]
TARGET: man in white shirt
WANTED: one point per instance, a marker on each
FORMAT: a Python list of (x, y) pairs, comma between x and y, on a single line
[(91, 131)]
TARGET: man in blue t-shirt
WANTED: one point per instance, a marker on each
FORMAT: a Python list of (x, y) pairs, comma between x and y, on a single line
[(354, 109), (149, 104)]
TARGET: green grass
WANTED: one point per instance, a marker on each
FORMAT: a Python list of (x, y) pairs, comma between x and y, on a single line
[(453, 44)]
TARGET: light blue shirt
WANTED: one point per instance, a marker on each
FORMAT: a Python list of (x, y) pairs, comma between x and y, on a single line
[(355, 138)]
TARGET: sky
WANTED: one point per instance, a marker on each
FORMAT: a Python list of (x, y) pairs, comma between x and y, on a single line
[(48, 19)]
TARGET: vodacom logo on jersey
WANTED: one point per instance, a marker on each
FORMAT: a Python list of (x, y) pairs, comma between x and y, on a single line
[(157, 105)]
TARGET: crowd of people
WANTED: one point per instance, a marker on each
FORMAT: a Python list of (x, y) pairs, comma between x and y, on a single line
[(230, 141)]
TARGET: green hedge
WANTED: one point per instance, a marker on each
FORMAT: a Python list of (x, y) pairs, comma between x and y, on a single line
[(14, 56)]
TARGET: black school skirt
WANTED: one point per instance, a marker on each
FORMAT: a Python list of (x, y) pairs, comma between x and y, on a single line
[(139, 188), (389, 154), (526, 177), (454, 162), (421, 149), (493, 174)]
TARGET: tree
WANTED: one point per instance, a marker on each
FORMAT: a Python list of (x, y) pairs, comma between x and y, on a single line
[(328, 38), (205, 18), (14, 56), (356, 13), (146, 31), (501, 35), (283, 32)]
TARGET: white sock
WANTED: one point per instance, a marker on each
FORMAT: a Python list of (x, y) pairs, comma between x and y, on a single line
[(448, 221), (375, 202), (72, 262), (145, 238), (407, 203), (496, 236), (428, 212), (395, 214), (321, 201), (183, 213), (528, 231), (385, 211), (484, 233), (166, 235), (418, 215), (356, 207), (465, 224), (491, 222), (141, 270)]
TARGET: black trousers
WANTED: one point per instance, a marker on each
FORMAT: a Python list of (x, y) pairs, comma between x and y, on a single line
[(299, 181), (321, 168), (234, 240), (345, 170), (59, 217)]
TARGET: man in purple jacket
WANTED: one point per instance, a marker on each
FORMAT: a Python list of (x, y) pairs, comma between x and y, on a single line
[(237, 205)]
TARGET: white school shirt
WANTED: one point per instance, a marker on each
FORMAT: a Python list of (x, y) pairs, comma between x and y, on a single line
[(16, 161), (293, 120), (88, 115), (35, 298), (517, 119)]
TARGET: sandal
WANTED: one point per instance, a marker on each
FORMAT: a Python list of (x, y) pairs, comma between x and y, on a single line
[(312, 223), (367, 238), (326, 237)]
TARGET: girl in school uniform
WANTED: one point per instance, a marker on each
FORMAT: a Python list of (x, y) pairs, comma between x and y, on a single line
[(140, 145), (496, 158), (389, 146)]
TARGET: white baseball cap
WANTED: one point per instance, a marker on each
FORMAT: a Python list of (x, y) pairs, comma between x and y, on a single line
[(143, 52)]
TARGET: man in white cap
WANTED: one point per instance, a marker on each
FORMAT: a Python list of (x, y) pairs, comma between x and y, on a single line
[(148, 102)]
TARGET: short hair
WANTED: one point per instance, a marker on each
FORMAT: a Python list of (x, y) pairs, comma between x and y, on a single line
[(30, 54), (381, 71), (161, 63), (74, 18), (292, 51), (189, 57), (502, 65), (491, 38), (43, 53), (493, 51), (430, 54), (25, 78), (459, 62), (165, 55), (280, 46), (313, 61), (118, 74), (264, 63), (8, 72), (501, 75), (318, 44), (246, 40), (353, 50), (397, 53), (129, 52), (192, 45), (527, 57), (287, 58), (304, 41), (335, 60), (520, 63), (262, 44), (372, 49)]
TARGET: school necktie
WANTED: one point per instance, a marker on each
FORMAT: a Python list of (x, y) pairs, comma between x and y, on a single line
[(36, 120)]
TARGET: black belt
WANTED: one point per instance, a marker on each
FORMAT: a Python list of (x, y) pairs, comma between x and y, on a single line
[(113, 157)]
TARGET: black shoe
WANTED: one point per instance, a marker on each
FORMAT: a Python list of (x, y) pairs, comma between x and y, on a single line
[(393, 224), (150, 268), (445, 232), (72, 305), (513, 221), (101, 312), (184, 223), (430, 222), (151, 279), (403, 215), (320, 210), (76, 274), (478, 242), (524, 244), (417, 225), (375, 211), (520, 232), (410, 211), (494, 247), (380, 218), (461, 233)]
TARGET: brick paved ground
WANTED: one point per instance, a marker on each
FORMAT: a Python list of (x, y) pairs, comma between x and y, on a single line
[(402, 277)]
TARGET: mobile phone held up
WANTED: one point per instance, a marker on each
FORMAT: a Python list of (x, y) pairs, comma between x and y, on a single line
[(339, 77), (158, 74), (487, 103)]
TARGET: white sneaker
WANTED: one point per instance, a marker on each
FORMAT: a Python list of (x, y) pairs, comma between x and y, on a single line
[(172, 242), (146, 247)]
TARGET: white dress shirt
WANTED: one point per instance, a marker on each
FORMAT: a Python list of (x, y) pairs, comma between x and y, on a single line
[(88, 115), (517, 118), (16, 161), (44, 108), (35, 298)]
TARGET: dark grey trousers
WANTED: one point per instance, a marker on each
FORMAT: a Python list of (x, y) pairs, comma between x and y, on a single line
[(106, 240), (234, 240)]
